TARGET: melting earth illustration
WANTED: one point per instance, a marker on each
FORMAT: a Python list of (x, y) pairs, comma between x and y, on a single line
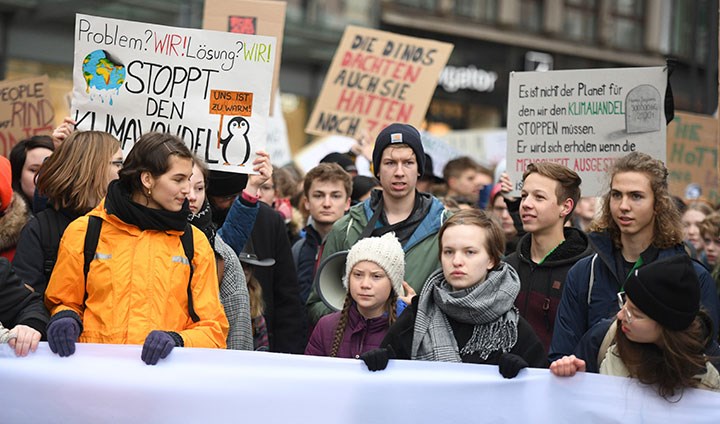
[(102, 75)]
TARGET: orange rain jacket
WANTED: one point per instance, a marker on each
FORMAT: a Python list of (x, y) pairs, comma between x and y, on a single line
[(137, 283)]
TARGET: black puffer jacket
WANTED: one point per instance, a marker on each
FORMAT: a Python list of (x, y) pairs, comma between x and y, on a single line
[(19, 304)]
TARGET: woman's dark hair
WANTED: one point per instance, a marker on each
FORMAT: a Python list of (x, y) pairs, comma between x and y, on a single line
[(17, 157), (151, 153), (672, 363)]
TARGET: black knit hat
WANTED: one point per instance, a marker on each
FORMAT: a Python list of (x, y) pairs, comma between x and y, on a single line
[(342, 159), (667, 290), (399, 134), (225, 183)]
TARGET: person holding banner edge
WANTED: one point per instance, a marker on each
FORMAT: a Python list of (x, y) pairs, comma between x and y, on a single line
[(638, 225), (660, 336), (465, 311), (398, 161), (140, 284)]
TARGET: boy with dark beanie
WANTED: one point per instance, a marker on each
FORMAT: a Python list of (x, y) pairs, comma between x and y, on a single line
[(398, 160)]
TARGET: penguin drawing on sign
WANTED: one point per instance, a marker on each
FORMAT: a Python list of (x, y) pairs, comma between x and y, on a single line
[(238, 127)]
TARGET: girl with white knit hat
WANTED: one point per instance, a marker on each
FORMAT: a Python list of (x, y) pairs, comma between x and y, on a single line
[(374, 272)]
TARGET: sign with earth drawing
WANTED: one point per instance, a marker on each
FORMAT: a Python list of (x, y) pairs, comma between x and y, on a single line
[(585, 119), (212, 89)]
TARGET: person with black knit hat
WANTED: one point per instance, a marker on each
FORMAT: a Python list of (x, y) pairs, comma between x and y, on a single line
[(665, 338), (398, 160)]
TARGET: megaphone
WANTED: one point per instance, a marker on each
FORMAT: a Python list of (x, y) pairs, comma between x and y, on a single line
[(329, 280)]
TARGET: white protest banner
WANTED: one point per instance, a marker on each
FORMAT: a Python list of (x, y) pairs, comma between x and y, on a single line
[(585, 119), (212, 89), (109, 383), (377, 78), (25, 111)]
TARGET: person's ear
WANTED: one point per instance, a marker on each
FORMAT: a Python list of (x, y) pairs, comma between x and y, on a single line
[(567, 207), (147, 180)]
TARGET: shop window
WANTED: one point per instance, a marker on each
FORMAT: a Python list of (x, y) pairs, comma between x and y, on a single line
[(531, 15), (581, 20), (627, 24), (480, 10), (420, 4), (334, 14), (690, 29)]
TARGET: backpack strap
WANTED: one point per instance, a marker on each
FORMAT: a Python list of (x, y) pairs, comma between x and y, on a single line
[(607, 341), (296, 248), (591, 282), (92, 235), (189, 248), (50, 234)]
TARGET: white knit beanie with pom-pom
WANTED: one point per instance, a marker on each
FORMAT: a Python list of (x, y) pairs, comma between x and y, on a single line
[(385, 251)]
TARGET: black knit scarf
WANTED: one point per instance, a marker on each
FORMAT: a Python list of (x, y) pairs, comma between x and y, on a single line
[(203, 220), (118, 202)]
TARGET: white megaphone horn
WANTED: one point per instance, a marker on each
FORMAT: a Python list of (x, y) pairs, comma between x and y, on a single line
[(329, 280)]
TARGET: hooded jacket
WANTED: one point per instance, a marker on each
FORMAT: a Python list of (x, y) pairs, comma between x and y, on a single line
[(11, 224), (137, 283), (586, 301), (541, 284), (361, 335), (421, 249)]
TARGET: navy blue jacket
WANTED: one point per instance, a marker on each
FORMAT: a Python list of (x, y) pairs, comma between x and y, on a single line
[(306, 259), (578, 312)]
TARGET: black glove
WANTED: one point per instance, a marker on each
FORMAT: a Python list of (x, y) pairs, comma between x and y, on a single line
[(511, 364), (158, 344), (62, 334), (377, 359)]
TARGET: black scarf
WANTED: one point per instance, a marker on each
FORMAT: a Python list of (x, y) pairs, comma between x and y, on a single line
[(203, 220), (404, 229), (118, 202)]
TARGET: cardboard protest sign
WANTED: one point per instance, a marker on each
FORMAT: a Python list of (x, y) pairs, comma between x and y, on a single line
[(377, 78), (585, 119), (212, 89), (25, 111), (250, 17), (692, 156)]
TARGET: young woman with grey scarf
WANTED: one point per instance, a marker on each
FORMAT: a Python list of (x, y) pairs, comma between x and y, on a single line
[(465, 311)]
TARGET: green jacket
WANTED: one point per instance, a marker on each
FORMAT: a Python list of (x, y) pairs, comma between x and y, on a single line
[(421, 251)]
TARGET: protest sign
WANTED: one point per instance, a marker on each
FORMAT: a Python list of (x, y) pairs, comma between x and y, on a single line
[(212, 89), (25, 111), (585, 119), (377, 78), (278, 145), (487, 146), (692, 156), (250, 17)]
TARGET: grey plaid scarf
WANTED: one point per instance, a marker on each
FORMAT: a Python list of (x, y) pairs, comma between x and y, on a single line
[(488, 305)]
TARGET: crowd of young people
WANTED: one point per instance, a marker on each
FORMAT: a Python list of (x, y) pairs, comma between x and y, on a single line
[(157, 251)]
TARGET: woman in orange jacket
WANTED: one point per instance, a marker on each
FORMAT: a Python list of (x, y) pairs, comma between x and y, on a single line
[(143, 285)]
